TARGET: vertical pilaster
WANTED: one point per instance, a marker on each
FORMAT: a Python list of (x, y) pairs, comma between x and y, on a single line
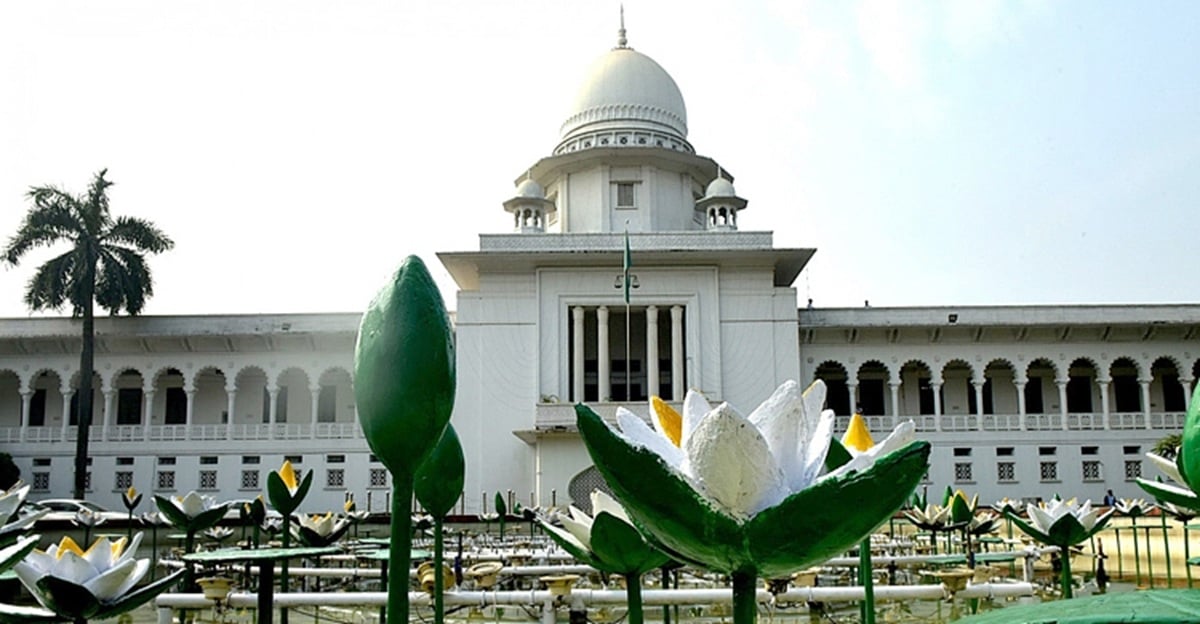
[(577, 347), (604, 360), (978, 385), (677, 380), (66, 408)]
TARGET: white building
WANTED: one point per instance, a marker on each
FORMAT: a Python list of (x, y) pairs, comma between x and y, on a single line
[(1018, 401)]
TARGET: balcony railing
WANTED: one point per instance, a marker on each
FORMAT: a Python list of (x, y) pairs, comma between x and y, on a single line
[(183, 433)]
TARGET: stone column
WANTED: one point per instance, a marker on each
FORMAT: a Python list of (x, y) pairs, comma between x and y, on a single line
[(652, 351), (978, 385), (603, 359), (272, 407), (315, 392), (230, 401), (109, 395), (147, 412), (577, 347), (894, 386), (1145, 385), (65, 390), (936, 388), (1062, 401), (26, 402), (1104, 408), (190, 413), (1186, 384), (1020, 385), (677, 380)]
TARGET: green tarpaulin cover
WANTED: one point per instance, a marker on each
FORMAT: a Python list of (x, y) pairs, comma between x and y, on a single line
[(1167, 606)]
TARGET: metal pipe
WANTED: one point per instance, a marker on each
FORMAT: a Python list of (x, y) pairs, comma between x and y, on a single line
[(605, 596)]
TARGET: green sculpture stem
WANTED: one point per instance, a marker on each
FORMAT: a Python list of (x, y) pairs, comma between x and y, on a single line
[(633, 596), (745, 597), (439, 581), (1065, 556), (283, 565), (400, 550), (1166, 546), (189, 546), (666, 584), (867, 580), (1149, 558), (1187, 554), (1137, 557)]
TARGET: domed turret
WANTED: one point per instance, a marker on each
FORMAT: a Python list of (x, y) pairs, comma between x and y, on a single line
[(720, 205), (627, 100), (529, 207)]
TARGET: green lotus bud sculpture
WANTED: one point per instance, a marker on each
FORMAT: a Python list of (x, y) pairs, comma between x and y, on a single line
[(438, 485), (404, 389), (608, 541), (746, 496)]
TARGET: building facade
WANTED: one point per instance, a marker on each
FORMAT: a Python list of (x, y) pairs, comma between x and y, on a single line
[(1021, 401)]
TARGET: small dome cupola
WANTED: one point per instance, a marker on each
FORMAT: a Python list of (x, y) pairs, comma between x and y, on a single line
[(628, 100), (720, 205), (529, 207)]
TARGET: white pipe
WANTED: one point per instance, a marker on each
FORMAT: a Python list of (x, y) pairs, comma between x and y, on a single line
[(603, 596), (374, 573), (909, 560)]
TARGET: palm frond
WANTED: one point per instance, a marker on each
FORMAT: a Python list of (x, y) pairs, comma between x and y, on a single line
[(53, 283), (122, 280), (94, 205), (43, 226), (137, 233)]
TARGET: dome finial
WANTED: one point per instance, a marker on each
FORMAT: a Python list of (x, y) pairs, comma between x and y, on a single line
[(621, 40)]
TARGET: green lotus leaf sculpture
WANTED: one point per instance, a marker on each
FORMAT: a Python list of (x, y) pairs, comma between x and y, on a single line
[(607, 541), (746, 496), (1184, 469), (1063, 524), (97, 583)]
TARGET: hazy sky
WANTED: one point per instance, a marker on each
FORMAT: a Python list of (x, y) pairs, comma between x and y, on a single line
[(935, 153)]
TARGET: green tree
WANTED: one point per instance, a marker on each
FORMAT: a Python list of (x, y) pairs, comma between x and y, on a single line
[(104, 264)]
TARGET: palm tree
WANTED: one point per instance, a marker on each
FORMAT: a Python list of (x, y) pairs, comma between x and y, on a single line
[(104, 265)]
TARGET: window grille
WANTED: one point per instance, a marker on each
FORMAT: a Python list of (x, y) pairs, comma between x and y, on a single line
[(208, 479), (124, 481), (1049, 471), (166, 480), (378, 478), (41, 482), (1006, 471), (335, 478), (1091, 470), (249, 479), (962, 472), (1133, 469)]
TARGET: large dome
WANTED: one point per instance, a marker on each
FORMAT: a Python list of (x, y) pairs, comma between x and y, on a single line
[(627, 100)]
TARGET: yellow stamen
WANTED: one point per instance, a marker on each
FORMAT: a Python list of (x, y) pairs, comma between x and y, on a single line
[(669, 420), (67, 544), (288, 475), (118, 547), (348, 506), (131, 493), (857, 436)]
